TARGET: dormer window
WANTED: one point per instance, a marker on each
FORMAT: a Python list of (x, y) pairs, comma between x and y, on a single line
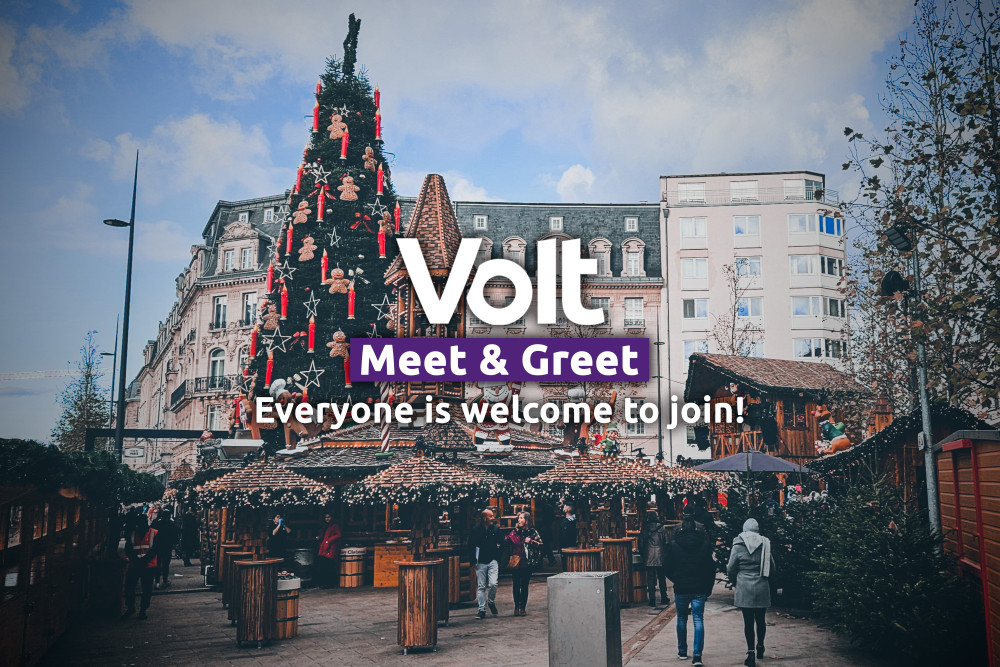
[(246, 258), (513, 249), (633, 260), (631, 224), (244, 216), (600, 249), (556, 223), (268, 215), (229, 260), (479, 222)]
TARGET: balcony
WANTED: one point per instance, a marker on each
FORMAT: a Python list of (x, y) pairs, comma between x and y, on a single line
[(177, 395), (215, 384), (764, 196), (216, 324), (633, 322)]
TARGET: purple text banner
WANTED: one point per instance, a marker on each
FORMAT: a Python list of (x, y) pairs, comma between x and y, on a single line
[(501, 359)]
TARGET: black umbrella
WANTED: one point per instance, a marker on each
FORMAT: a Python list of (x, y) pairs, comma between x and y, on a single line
[(752, 461)]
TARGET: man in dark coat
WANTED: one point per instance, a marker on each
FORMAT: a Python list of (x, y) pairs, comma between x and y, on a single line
[(166, 531), (485, 542), (690, 566), (189, 535), (652, 543), (567, 532)]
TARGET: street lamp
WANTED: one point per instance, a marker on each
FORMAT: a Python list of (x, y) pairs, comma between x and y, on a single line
[(113, 222)]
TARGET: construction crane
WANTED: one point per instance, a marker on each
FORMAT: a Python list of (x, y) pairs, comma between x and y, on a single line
[(33, 375)]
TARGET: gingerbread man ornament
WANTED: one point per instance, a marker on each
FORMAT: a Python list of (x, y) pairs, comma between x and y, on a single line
[(337, 282), (336, 126), (307, 249), (301, 213), (348, 190), (370, 159), (271, 317)]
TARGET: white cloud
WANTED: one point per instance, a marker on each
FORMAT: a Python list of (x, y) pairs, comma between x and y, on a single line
[(196, 154), (14, 90), (460, 188), (575, 184)]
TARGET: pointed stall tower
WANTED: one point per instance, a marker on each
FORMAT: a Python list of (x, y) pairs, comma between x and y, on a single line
[(433, 224)]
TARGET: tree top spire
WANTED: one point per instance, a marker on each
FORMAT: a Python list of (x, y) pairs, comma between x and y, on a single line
[(351, 45)]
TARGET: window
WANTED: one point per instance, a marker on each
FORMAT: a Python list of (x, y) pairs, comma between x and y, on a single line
[(694, 267), (214, 418), (748, 225), (695, 309), (801, 223), (807, 347), (805, 306), (631, 224), (695, 346), (219, 312), (795, 188), (244, 216), (813, 188), (639, 427), (633, 264), (747, 266), (604, 303), (836, 349), (691, 438), (602, 263), (836, 308), (831, 226), (244, 358), (483, 255), (832, 266), (479, 222), (513, 249), (268, 215), (794, 414), (600, 249), (515, 256), (749, 306), (753, 349), (802, 265), (475, 321), (556, 223), (632, 257), (217, 369), (517, 323), (691, 193), (743, 190), (249, 308), (634, 315), (694, 227), (230, 260), (246, 258)]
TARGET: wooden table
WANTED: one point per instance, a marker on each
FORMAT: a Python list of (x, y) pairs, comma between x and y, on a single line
[(583, 560), (386, 557)]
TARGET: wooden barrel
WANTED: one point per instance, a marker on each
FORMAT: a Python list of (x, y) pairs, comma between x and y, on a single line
[(416, 625), (583, 560), (352, 567), (229, 585), (220, 561), (441, 581), (257, 583), (618, 558), (287, 612)]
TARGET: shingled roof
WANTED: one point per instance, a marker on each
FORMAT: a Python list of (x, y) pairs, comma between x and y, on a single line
[(262, 475), (422, 470), (182, 471), (596, 470), (434, 225), (766, 375)]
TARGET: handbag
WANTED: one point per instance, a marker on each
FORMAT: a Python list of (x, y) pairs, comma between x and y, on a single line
[(514, 562)]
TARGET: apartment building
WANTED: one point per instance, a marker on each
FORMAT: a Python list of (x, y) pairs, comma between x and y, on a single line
[(754, 263), (190, 370)]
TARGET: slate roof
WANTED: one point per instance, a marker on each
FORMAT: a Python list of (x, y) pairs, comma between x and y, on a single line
[(433, 224), (419, 471), (594, 470), (263, 475), (766, 375)]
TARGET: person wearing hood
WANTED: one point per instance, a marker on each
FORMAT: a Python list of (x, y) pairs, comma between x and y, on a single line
[(690, 566), (652, 542), (750, 566)]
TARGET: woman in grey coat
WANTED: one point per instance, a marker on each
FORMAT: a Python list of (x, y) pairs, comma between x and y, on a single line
[(750, 566), (652, 542)]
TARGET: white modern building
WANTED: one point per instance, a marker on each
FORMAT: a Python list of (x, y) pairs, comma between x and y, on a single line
[(780, 236)]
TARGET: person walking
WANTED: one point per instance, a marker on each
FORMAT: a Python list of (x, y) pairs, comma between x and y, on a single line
[(652, 542), (329, 552), (750, 566), (190, 523), (567, 532), (485, 540), (166, 531), (526, 553), (690, 566), (277, 543), (141, 549)]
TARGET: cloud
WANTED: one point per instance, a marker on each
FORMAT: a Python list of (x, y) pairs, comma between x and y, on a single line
[(22, 390), (575, 184), (196, 154), (14, 91), (460, 188)]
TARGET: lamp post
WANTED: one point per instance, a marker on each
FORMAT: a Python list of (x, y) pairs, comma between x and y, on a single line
[(120, 416), (898, 237), (659, 397)]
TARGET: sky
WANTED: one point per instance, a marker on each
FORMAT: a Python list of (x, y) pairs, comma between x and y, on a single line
[(538, 101)]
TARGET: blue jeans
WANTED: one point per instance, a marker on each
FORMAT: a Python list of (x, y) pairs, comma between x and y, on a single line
[(486, 582), (694, 604)]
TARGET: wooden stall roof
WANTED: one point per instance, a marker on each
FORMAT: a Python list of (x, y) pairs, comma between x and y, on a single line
[(182, 471), (764, 375), (263, 475), (596, 470), (418, 471), (698, 480), (901, 428)]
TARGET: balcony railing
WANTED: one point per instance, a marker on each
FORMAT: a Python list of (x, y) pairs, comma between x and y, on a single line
[(762, 196), (215, 383), (178, 394), (633, 322), (217, 324)]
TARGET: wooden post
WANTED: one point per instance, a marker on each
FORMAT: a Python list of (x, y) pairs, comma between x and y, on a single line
[(230, 590), (617, 557)]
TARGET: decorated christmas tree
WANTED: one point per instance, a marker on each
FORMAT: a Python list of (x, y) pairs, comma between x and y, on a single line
[(325, 280)]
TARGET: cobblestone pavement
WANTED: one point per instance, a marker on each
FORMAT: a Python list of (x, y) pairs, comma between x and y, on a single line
[(346, 627)]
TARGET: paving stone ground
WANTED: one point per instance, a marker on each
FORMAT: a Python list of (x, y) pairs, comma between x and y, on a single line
[(347, 627)]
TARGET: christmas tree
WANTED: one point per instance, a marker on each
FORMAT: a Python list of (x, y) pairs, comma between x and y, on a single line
[(325, 280)]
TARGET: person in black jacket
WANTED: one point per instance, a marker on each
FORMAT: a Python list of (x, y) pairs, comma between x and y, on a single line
[(166, 538), (567, 532), (690, 566), (485, 542), (652, 542)]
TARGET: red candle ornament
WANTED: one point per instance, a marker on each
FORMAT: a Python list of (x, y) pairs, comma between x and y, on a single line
[(378, 98), (321, 202), (270, 369), (316, 116), (350, 303), (319, 86), (312, 334), (324, 266), (347, 373), (343, 145), (288, 243), (270, 276), (379, 177), (298, 179), (305, 394), (253, 343), (284, 302), (381, 243), (396, 216), (378, 125)]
